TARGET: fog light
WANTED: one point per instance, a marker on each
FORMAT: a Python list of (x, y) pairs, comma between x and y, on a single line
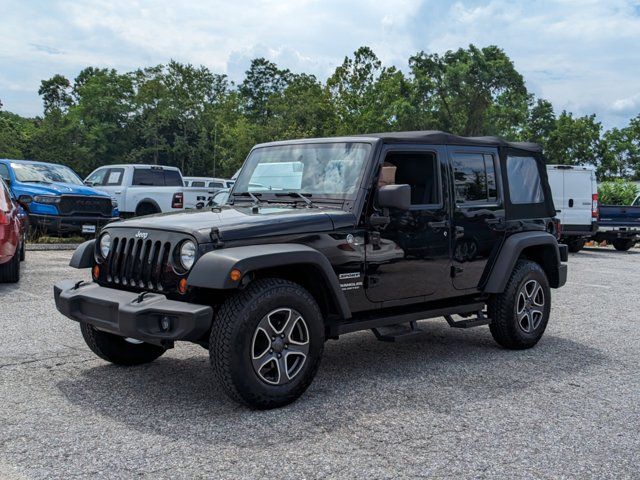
[(165, 324)]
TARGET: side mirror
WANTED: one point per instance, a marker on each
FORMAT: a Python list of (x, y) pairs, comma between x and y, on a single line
[(88, 183), (395, 196)]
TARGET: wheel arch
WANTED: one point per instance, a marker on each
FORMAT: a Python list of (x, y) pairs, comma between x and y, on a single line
[(298, 263), (148, 201), (540, 247)]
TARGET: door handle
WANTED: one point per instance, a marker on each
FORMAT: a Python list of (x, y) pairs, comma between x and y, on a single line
[(459, 232), (442, 224), (118, 193), (492, 221)]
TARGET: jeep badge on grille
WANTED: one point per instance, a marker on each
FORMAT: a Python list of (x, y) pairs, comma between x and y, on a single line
[(142, 235)]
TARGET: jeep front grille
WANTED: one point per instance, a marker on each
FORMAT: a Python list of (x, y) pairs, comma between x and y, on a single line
[(138, 263), (85, 205)]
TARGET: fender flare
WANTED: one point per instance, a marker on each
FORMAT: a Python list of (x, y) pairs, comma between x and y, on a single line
[(213, 269), (510, 252), (83, 255)]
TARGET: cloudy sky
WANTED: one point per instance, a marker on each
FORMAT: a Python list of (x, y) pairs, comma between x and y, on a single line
[(583, 55)]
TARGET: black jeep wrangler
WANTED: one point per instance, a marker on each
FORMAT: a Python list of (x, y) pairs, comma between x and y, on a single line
[(322, 237)]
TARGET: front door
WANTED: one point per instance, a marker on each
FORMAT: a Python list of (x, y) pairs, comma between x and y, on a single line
[(408, 260), (478, 212)]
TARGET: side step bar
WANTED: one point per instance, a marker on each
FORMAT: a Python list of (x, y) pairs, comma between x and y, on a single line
[(480, 320), (399, 331)]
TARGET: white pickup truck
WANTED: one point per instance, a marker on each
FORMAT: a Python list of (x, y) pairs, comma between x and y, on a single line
[(140, 189)]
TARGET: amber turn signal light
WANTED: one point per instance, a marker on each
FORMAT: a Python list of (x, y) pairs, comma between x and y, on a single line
[(182, 286), (235, 275), (95, 271)]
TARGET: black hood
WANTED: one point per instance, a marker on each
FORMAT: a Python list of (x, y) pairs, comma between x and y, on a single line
[(240, 222)]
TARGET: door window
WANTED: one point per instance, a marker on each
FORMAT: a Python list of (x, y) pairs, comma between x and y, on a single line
[(148, 177), (115, 177), (475, 178), (197, 184), (4, 172), (172, 178), (97, 177), (5, 198), (416, 169)]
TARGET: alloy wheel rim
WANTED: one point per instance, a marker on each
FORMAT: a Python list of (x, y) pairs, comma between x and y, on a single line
[(280, 346), (530, 306)]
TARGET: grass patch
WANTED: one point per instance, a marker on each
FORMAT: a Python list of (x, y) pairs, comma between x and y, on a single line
[(51, 240)]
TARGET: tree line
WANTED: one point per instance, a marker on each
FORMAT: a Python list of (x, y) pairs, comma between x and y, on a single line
[(190, 117)]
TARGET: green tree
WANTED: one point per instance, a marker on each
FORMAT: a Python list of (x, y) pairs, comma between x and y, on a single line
[(263, 80), (471, 92), (574, 141), (56, 93)]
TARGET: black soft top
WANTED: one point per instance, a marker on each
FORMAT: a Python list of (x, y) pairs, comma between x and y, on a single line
[(436, 137)]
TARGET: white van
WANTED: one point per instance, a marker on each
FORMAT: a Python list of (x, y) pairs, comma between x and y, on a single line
[(575, 195)]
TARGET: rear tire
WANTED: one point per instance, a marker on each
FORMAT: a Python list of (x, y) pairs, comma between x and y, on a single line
[(116, 349), (576, 245), (146, 208), (10, 271), (520, 314), (623, 245), (266, 343)]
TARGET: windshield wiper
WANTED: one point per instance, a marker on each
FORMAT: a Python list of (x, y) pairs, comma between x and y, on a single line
[(35, 181), (256, 200), (303, 196)]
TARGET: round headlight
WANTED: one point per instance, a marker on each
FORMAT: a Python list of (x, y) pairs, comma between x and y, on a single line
[(187, 254), (105, 245)]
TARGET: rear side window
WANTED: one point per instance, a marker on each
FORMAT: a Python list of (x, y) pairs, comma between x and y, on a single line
[(197, 184), (524, 180), (148, 177), (216, 185), (172, 178), (475, 178)]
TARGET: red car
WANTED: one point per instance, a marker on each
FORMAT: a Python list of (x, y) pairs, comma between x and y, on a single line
[(11, 237)]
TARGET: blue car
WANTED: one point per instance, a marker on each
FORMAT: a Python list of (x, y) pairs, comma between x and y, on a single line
[(56, 199)]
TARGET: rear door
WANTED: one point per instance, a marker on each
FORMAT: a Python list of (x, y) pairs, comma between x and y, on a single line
[(556, 182), (578, 189), (478, 212)]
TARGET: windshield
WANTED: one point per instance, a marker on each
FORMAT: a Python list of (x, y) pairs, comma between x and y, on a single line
[(331, 170), (46, 173)]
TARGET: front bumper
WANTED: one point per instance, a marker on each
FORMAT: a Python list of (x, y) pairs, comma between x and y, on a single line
[(121, 313), (70, 224)]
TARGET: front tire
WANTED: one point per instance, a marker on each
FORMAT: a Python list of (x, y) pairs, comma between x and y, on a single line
[(520, 314), (118, 350), (623, 245), (266, 343)]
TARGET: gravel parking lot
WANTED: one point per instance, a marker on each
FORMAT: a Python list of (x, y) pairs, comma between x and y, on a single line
[(448, 404)]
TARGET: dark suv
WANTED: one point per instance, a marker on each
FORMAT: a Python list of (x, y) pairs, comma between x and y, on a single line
[(323, 237)]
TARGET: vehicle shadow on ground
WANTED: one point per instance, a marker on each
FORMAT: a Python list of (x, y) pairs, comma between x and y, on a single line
[(604, 252), (440, 371)]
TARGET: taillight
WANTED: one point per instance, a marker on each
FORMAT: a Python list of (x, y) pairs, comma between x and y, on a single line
[(4, 219), (178, 200), (558, 224), (594, 205)]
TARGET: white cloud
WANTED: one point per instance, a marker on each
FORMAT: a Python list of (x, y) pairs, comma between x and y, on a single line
[(582, 55)]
